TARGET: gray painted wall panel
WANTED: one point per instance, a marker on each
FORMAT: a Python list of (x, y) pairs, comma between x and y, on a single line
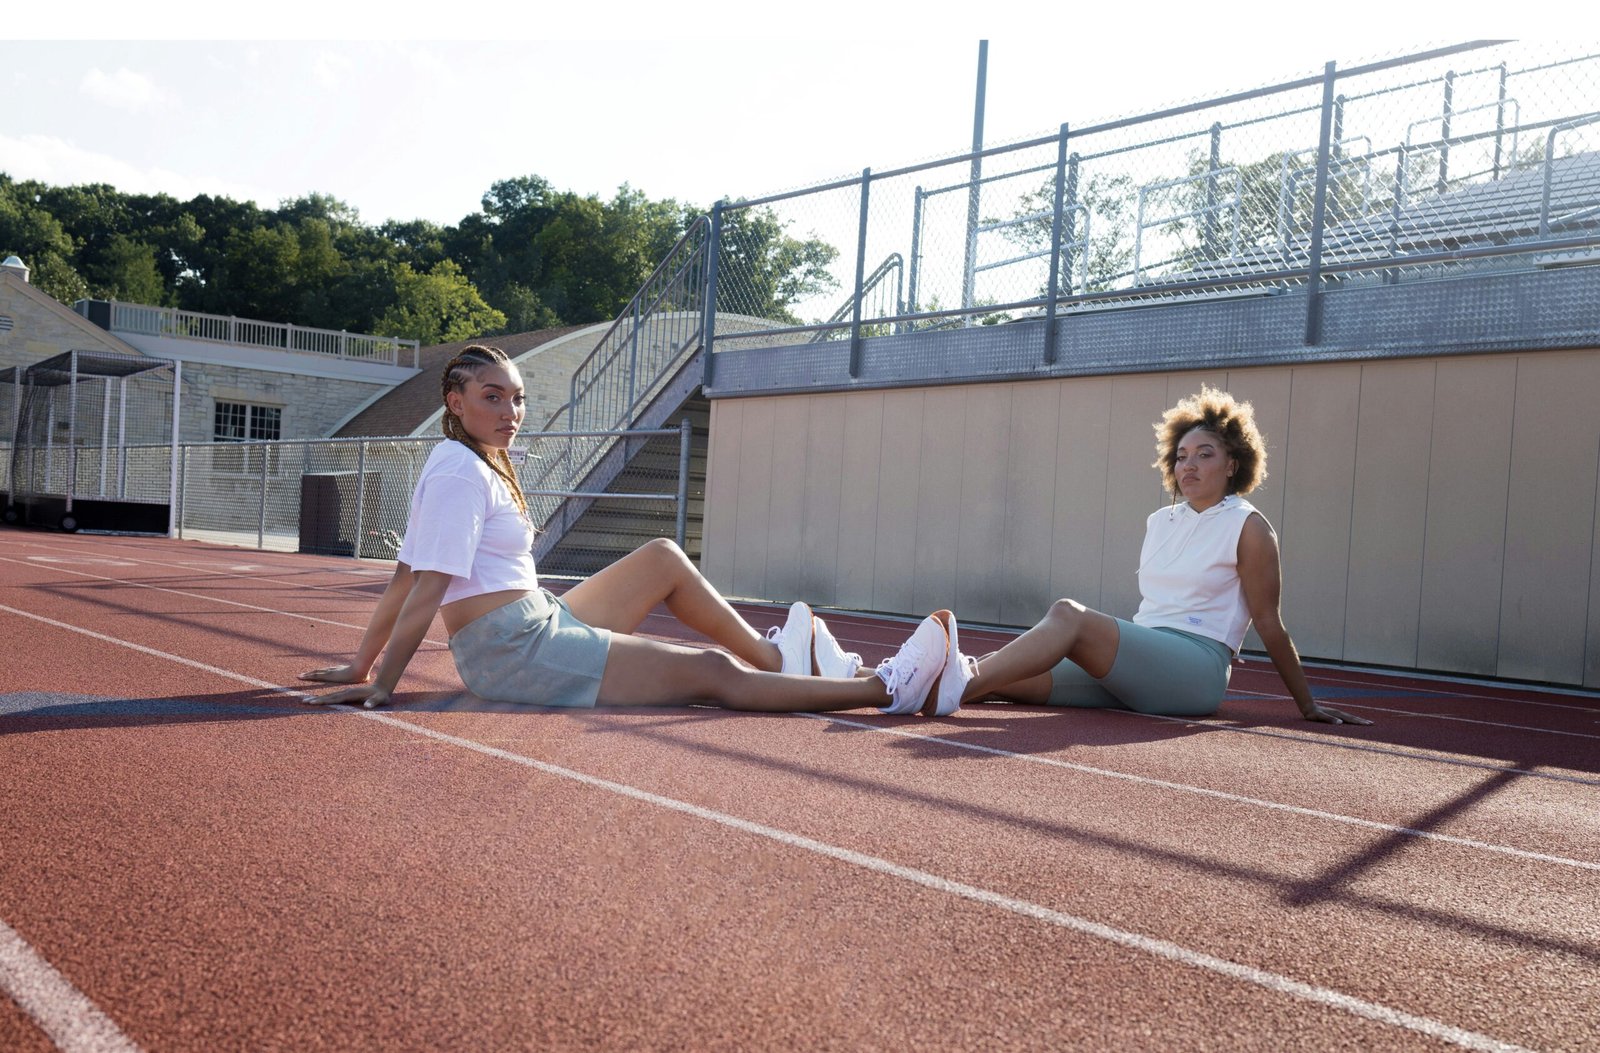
[(1267, 390), (1389, 513), (722, 490), (859, 506), (1318, 479), (1077, 556), (1550, 518), (899, 483), (1131, 487), (1030, 502), (1468, 480), (790, 421), (752, 517), (823, 500), (939, 499), (981, 505)]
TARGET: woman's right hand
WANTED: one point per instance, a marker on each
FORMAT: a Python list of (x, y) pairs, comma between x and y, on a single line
[(337, 674)]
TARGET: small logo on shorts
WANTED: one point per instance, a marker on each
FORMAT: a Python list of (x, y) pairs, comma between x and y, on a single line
[(1196, 620)]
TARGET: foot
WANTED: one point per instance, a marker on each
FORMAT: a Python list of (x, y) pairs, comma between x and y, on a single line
[(828, 658), (794, 641), (910, 674), (959, 669)]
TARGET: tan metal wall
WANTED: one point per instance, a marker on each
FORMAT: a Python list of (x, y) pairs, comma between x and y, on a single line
[(1438, 513)]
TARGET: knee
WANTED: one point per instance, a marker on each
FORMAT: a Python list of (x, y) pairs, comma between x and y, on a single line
[(1065, 612), (716, 673), (664, 550)]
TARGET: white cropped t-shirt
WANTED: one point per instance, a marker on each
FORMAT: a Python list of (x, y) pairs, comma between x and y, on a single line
[(1189, 571), (465, 523)]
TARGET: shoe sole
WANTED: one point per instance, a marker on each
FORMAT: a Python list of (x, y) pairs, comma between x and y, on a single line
[(930, 705)]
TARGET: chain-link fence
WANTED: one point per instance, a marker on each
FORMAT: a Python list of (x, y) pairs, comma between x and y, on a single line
[(352, 497), (1402, 168)]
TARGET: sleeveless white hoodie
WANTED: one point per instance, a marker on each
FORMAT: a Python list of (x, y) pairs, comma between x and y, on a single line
[(1189, 571)]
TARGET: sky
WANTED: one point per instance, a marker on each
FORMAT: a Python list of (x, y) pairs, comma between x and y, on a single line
[(694, 103)]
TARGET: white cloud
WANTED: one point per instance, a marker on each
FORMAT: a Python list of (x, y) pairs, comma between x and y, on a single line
[(60, 162), (124, 89)]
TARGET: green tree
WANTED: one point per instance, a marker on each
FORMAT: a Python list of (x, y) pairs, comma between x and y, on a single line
[(763, 271), (437, 307), (1097, 234)]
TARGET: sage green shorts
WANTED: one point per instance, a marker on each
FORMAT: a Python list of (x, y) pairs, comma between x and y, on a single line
[(533, 651), (1162, 671)]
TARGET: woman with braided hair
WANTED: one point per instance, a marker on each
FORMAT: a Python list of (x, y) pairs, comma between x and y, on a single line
[(467, 556)]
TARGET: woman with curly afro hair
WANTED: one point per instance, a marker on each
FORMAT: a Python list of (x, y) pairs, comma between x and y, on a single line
[(1209, 567)]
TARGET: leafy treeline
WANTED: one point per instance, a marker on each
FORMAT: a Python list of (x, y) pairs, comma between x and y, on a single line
[(532, 257)]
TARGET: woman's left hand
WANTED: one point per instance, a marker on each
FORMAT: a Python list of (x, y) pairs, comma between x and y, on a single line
[(370, 696), (1329, 715)]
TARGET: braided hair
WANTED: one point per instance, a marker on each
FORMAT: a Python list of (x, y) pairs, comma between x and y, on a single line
[(465, 366)]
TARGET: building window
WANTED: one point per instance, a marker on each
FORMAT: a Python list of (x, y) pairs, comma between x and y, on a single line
[(241, 421), (238, 421)]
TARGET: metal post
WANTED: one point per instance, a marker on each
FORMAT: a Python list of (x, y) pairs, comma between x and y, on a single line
[(633, 364), (1208, 223), (861, 263), (105, 431), (916, 253), (1069, 221), (1500, 122), (1319, 213), (969, 270), (261, 526), (177, 390), (122, 433), (72, 427), (1444, 129), (709, 327), (685, 437), (181, 478), (1050, 322), (361, 495)]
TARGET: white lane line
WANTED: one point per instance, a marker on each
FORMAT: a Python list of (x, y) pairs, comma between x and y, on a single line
[(1426, 756), (210, 599), (1221, 795), (151, 651), (1132, 940), (209, 568), (1135, 941), (74, 1024), (1340, 678)]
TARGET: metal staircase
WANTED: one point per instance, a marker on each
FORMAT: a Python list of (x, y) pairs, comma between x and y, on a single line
[(641, 376)]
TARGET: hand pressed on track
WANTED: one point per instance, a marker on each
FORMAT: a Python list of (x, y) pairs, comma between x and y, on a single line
[(370, 696), (1329, 715), (336, 674)]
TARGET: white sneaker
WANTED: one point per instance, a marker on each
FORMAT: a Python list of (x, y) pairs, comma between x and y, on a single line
[(831, 659), (959, 669), (794, 640), (911, 672)]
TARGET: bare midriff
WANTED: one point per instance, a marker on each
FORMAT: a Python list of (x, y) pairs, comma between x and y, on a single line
[(459, 614)]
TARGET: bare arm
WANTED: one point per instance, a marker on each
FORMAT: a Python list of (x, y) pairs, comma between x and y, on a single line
[(401, 621), (1262, 578)]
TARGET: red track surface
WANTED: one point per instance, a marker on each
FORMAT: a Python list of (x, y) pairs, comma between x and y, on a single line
[(212, 866)]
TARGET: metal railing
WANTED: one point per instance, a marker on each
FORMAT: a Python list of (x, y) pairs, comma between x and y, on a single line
[(1442, 161), (248, 332)]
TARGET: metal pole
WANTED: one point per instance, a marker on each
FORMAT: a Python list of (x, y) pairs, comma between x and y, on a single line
[(261, 526), (633, 364), (177, 389), (968, 272), (72, 427), (861, 263), (685, 437), (175, 509), (1069, 223), (361, 495), (916, 253), (708, 329), (1050, 322), (122, 437), (1208, 224), (105, 431), (1319, 213), (1444, 128), (1500, 122)]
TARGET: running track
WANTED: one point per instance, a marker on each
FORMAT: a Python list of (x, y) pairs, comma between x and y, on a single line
[(190, 860)]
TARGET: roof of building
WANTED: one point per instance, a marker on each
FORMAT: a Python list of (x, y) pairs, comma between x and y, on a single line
[(403, 408)]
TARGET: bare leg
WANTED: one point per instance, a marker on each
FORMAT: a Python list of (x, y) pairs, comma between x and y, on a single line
[(1020, 671), (641, 672), (620, 596)]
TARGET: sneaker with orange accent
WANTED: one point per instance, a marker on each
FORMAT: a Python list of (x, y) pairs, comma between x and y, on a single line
[(910, 674), (959, 669)]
